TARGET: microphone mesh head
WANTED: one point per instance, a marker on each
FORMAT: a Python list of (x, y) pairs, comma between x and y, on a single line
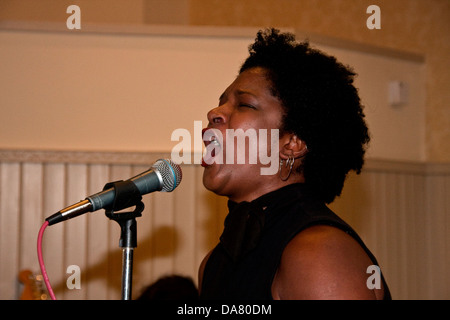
[(170, 172)]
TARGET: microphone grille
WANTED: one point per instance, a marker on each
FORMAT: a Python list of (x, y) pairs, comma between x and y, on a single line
[(170, 172)]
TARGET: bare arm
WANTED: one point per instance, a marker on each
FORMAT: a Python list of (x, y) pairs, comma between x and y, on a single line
[(323, 262)]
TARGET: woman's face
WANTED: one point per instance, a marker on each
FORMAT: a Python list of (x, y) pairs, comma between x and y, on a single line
[(246, 104)]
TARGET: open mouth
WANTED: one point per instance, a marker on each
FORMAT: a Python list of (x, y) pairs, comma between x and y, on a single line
[(211, 139)]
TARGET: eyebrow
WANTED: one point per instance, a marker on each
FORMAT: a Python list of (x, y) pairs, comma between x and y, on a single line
[(239, 92)]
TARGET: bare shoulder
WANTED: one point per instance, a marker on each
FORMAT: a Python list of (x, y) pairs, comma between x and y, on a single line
[(323, 262)]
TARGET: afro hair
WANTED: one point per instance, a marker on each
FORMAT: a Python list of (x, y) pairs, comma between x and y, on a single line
[(322, 107)]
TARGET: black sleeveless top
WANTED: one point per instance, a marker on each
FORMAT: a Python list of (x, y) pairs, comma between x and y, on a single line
[(244, 263)]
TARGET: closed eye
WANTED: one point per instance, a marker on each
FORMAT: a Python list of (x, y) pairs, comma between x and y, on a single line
[(245, 105)]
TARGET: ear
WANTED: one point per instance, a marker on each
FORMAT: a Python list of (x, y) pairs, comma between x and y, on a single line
[(292, 146)]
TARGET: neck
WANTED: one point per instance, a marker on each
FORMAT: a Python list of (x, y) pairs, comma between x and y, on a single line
[(266, 188)]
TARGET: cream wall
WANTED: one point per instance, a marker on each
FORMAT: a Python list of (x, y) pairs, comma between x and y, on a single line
[(90, 91), (417, 26), (113, 11), (103, 91)]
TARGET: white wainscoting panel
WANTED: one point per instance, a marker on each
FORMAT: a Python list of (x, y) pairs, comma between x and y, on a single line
[(399, 209)]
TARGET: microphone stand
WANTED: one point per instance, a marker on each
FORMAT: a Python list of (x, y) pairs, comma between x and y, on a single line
[(126, 195)]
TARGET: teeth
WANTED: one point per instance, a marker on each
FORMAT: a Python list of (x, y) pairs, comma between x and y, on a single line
[(215, 142), (212, 140), (209, 137)]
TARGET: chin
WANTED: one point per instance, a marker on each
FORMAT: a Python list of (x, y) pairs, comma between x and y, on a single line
[(214, 183), (210, 184), (208, 180)]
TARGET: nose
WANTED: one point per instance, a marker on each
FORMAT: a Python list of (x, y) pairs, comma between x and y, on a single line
[(217, 116)]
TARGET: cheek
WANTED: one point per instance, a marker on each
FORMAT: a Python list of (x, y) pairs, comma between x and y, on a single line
[(260, 135), (269, 134)]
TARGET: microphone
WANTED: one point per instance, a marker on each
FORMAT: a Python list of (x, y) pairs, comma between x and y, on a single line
[(164, 175)]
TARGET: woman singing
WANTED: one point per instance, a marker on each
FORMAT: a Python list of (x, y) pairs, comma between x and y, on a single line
[(280, 240)]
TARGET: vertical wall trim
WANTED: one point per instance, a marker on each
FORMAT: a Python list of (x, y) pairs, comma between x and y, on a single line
[(399, 209)]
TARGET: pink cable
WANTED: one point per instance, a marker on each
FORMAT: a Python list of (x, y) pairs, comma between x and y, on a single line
[(41, 260)]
